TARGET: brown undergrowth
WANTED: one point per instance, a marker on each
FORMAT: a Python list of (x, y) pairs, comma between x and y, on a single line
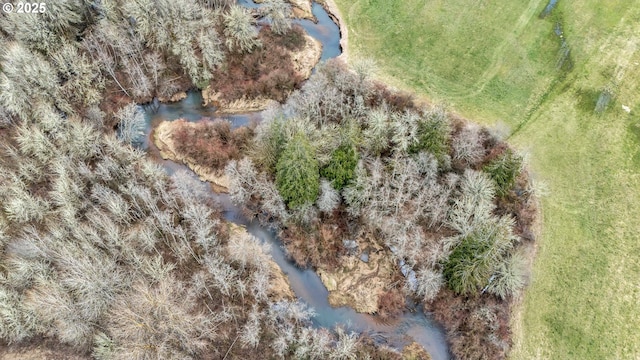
[(477, 327), (393, 301), (268, 71), (317, 244), (211, 143)]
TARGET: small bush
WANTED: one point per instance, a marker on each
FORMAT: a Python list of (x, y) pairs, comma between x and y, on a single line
[(103, 347), (131, 124), (504, 170), (279, 13), (329, 198), (268, 144), (239, 29), (378, 131), (433, 137), (341, 167), (478, 255), (509, 277), (429, 284), (277, 84), (475, 204), (16, 324), (469, 266), (468, 145), (297, 175)]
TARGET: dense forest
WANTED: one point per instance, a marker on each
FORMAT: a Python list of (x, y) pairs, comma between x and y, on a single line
[(102, 254)]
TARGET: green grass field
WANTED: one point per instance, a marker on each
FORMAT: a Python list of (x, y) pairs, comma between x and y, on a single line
[(496, 61)]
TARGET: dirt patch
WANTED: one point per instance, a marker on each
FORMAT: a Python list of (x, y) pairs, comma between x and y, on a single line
[(301, 9), (238, 106), (279, 286), (359, 284)]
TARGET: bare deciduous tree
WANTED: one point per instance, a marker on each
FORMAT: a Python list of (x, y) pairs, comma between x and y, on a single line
[(27, 79), (429, 283), (132, 124), (467, 145), (329, 198)]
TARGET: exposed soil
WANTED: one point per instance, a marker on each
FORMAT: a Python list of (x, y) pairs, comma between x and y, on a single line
[(359, 284)]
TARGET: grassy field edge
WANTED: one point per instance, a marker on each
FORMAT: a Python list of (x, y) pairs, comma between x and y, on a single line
[(501, 63)]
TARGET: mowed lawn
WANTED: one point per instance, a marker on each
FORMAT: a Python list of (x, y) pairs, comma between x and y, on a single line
[(497, 61)]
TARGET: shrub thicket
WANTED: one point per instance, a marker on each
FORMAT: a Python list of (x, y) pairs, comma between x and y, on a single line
[(467, 145), (267, 71), (476, 258), (398, 176), (241, 33), (504, 171), (433, 135), (279, 13), (210, 143)]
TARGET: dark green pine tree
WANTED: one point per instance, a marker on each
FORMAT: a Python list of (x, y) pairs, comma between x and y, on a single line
[(342, 166), (297, 173)]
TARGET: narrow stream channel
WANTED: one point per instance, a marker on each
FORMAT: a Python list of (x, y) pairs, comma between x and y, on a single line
[(324, 30), (547, 9), (410, 326)]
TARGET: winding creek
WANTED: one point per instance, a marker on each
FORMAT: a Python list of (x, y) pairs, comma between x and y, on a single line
[(412, 325)]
